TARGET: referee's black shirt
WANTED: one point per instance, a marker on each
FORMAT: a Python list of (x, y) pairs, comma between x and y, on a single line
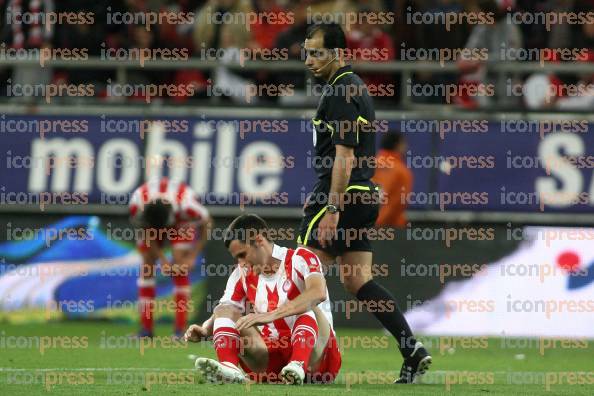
[(344, 116)]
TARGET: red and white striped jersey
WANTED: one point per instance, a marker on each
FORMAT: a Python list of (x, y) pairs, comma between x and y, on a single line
[(266, 292), (182, 198)]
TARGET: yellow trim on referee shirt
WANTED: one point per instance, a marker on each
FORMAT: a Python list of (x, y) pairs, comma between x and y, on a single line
[(340, 75), (360, 188), (331, 129), (311, 224), (317, 122), (364, 121)]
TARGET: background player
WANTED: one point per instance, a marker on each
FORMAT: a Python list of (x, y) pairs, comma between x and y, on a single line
[(167, 212), (344, 203), (290, 337), (394, 178)]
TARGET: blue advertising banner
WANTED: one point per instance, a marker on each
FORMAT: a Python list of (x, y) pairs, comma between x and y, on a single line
[(509, 165), (521, 166)]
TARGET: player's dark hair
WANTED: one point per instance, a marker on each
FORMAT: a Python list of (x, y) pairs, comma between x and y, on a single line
[(390, 140), (245, 228), (156, 214), (333, 34)]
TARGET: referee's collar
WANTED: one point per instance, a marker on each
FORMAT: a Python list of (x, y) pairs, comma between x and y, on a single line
[(340, 73)]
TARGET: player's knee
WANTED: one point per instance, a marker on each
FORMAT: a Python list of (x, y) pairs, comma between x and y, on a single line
[(306, 317), (227, 311)]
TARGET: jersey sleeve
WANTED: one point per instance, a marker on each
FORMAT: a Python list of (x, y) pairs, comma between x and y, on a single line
[(134, 207), (306, 264), (191, 209), (235, 293), (344, 118)]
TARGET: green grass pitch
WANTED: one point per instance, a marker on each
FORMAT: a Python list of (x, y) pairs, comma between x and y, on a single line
[(96, 358)]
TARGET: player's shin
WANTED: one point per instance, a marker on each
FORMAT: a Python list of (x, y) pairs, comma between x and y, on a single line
[(182, 296), (226, 340), (303, 338), (146, 299)]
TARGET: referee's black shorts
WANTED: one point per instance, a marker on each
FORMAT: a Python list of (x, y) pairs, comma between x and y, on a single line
[(359, 215)]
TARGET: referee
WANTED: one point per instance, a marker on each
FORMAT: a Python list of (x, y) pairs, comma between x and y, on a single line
[(345, 202)]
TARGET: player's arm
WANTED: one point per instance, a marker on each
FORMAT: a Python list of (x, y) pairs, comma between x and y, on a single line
[(234, 295), (314, 293), (341, 173), (195, 218), (196, 333), (343, 113), (187, 257), (204, 228), (135, 209), (310, 281), (345, 138), (198, 214)]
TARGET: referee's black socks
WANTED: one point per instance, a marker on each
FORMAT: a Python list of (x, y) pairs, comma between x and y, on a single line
[(393, 320)]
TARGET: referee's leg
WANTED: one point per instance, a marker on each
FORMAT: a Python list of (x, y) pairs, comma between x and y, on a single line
[(356, 275), (353, 252)]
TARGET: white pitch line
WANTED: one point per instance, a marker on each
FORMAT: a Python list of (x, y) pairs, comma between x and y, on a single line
[(94, 369), (8, 369)]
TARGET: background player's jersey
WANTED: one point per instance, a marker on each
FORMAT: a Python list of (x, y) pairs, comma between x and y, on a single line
[(266, 292), (182, 198), (345, 116)]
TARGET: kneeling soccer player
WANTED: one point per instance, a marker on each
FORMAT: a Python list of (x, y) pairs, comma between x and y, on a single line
[(290, 337)]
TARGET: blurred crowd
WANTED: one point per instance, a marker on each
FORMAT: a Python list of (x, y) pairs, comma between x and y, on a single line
[(274, 31)]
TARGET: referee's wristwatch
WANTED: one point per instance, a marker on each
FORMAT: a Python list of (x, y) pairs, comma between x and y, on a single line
[(332, 209)]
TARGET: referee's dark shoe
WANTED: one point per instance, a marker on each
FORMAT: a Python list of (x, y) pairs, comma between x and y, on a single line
[(414, 365)]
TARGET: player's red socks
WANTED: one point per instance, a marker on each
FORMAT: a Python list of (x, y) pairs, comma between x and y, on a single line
[(303, 339), (226, 340), (181, 293), (146, 301)]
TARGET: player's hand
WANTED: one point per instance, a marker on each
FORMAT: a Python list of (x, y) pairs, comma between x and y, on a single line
[(327, 228), (195, 333), (255, 319)]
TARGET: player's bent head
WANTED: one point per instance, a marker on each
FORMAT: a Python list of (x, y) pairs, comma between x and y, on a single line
[(157, 214), (246, 229), (247, 241)]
